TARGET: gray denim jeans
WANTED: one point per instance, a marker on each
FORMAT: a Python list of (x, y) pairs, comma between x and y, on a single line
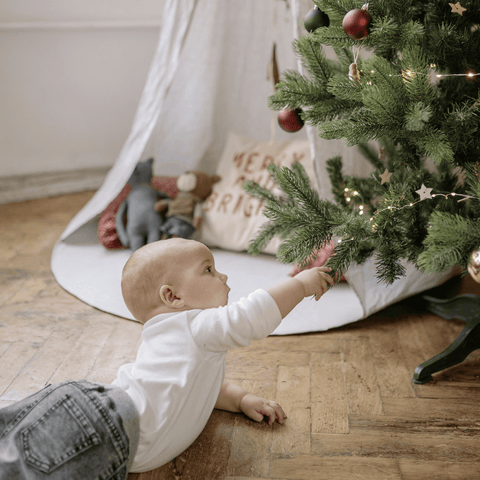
[(72, 430)]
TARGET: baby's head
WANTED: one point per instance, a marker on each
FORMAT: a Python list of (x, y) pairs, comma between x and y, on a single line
[(171, 276)]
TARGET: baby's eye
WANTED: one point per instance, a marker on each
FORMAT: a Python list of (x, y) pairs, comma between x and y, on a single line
[(209, 270)]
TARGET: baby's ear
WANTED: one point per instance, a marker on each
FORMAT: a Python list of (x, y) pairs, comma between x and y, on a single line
[(168, 297)]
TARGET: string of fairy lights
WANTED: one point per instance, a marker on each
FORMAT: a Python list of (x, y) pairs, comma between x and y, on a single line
[(408, 74), (424, 192), (469, 74)]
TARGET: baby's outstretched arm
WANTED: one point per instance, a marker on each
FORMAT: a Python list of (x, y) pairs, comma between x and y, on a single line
[(233, 398), (287, 295), (290, 292)]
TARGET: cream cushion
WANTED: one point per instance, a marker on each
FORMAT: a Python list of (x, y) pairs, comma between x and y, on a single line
[(232, 218)]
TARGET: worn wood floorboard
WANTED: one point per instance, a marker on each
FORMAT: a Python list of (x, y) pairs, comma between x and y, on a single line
[(353, 410)]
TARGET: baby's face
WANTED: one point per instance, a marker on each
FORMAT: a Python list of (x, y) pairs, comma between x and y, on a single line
[(201, 286)]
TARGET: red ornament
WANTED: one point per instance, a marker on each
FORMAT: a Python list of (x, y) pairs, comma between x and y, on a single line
[(290, 120), (356, 23)]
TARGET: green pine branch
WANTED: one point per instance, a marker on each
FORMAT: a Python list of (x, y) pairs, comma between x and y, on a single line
[(450, 241)]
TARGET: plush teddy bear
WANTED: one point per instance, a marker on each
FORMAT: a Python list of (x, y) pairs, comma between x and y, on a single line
[(184, 214), (138, 211)]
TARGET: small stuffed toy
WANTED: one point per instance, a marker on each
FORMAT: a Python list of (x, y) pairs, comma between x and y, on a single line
[(184, 214), (143, 222)]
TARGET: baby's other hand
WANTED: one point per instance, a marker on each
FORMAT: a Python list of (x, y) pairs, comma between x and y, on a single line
[(257, 408), (315, 281)]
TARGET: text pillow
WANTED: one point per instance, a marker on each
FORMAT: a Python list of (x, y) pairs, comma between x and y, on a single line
[(232, 218)]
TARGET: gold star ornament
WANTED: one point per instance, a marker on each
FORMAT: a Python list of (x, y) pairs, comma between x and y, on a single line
[(424, 192), (457, 8), (385, 176)]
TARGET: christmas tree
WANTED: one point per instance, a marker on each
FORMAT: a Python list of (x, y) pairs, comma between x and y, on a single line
[(416, 95)]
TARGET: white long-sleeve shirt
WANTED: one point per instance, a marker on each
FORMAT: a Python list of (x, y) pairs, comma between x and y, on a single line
[(179, 370)]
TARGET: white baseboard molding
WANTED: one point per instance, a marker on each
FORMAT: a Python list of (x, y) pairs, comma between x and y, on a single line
[(26, 187)]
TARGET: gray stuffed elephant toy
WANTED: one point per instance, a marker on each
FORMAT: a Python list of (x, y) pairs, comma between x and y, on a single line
[(137, 222)]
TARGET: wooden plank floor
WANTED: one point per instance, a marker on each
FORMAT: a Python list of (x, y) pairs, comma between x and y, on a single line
[(353, 411)]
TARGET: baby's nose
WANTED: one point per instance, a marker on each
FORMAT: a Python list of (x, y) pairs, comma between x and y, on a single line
[(223, 277)]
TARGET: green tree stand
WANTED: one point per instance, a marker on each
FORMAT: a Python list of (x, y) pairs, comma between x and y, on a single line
[(464, 307)]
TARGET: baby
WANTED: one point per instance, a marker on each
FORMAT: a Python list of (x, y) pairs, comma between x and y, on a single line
[(158, 405)]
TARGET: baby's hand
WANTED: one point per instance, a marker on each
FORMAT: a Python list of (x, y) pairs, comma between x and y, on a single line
[(315, 281), (257, 408)]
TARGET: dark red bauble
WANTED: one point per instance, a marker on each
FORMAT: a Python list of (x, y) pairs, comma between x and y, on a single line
[(356, 23), (290, 120)]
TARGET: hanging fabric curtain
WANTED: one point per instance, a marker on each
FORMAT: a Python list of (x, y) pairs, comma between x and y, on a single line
[(176, 20)]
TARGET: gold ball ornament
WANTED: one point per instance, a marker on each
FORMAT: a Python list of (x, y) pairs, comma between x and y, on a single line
[(474, 265)]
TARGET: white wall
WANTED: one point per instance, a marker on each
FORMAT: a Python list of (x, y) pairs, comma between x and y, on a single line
[(71, 75)]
